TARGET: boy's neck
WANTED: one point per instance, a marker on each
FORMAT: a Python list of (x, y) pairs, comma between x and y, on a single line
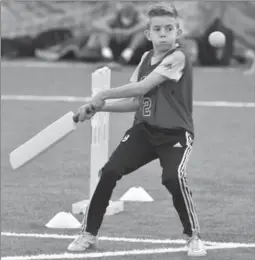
[(162, 53)]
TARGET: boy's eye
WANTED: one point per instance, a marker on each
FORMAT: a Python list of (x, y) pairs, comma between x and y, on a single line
[(157, 29), (169, 28)]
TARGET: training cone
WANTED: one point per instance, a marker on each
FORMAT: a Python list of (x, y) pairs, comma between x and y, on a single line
[(136, 194), (63, 220)]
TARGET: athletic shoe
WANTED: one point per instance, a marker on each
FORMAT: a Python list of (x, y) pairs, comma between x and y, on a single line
[(196, 246), (83, 242)]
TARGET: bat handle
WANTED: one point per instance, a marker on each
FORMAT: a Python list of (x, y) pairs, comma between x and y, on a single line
[(88, 111), (76, 118)]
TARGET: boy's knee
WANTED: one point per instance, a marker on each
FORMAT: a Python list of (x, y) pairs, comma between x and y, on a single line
[(176, 184), (111, 173), (169, 179), (171, 182)]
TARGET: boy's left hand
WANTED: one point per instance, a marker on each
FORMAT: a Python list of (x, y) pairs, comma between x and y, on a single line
[(98, 101)]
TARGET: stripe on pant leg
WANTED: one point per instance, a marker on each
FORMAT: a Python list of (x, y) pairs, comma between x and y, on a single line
[(184, 186), (186, 194), (180, 168), (188, 199), (190, 141), (85, 218), (192, 205)]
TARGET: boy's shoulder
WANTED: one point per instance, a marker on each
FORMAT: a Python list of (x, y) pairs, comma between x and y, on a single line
[(145, 55), (184, 48), (134, 77), (173, 57), (178, 57)]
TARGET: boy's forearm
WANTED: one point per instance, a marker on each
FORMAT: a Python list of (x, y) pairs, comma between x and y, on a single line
[(135, 89), (121, 106)]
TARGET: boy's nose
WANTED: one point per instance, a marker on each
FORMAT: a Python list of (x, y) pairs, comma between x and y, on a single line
[(162, 33)]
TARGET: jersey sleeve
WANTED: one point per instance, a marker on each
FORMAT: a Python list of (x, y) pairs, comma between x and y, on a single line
[(172, 66), (134, 77)]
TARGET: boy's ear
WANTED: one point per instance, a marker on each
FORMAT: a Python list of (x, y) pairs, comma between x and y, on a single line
[(147, 35), (179, 32)]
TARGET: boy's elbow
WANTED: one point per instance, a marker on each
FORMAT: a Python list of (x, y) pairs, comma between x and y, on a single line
[(136, 101), (137, 105)]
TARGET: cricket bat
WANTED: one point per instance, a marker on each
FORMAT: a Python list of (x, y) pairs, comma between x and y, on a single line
[(45, 139)]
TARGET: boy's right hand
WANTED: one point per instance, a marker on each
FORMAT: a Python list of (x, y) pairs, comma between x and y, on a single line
[(86, 112)]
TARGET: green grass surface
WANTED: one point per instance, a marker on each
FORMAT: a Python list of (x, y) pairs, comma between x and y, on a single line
[(220, 171)]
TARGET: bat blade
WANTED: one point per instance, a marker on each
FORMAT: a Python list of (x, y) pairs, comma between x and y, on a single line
[(43, 140)]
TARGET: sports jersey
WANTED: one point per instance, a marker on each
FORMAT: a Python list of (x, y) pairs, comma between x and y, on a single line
[(168, 105)]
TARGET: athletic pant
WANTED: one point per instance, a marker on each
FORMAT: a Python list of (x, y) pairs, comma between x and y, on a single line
[(140, 145)]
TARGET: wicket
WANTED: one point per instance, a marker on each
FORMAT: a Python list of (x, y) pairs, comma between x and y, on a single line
[(101, 79)]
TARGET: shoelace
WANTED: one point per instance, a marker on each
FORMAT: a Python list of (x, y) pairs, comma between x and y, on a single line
[(78, 239), (196, 238), (80, 236)]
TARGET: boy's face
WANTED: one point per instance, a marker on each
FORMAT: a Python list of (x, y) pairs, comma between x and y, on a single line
[(163, 32)]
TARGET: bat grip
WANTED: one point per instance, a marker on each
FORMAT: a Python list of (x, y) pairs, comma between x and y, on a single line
[(89, 110), (76, 118)]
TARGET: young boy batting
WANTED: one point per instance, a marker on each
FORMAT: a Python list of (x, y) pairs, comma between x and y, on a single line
[(160, 93)]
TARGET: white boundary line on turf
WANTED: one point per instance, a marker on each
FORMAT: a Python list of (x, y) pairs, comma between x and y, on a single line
[(110, 253), (124, 239), (104, 238), (45, 64), (97, 254), (82, 65), (42, 98), (82, 99)]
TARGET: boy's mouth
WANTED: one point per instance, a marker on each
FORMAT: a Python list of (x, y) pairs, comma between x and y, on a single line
[(164, 42)]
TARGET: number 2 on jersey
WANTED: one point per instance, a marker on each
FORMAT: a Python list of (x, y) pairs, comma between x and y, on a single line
[(147, 106)]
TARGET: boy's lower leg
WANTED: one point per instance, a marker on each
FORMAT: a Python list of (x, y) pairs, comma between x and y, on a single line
[(182, 200), (174, 179), (99, 202), (184, 206), (93, 219)]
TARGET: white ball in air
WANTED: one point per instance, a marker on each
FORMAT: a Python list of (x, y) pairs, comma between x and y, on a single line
[(217, 39)]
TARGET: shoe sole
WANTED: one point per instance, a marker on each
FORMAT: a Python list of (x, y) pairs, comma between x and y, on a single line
[(91, 247), (201, 253)]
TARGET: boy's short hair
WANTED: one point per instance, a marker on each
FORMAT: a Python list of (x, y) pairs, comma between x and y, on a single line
[(162, 9)]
